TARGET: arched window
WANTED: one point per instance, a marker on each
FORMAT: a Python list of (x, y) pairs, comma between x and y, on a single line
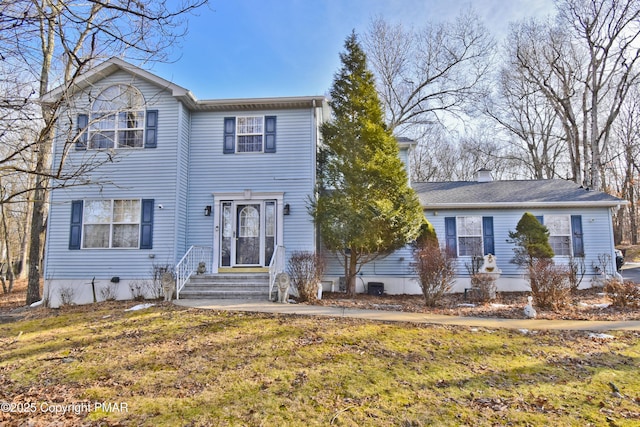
[(249, 222), (117, 118)]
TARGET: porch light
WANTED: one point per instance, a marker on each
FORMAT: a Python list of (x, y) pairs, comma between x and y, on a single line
[(286, 210), (207, 210)]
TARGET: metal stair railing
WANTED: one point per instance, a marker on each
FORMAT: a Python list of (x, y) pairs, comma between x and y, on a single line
[(189, 265), (275, 266)]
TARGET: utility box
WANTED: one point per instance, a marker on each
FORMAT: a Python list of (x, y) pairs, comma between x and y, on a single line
[(375, 288)]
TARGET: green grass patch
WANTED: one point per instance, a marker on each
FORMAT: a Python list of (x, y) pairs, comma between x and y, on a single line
[(174, 366)]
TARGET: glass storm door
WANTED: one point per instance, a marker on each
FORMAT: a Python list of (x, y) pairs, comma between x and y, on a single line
[(248, 233)]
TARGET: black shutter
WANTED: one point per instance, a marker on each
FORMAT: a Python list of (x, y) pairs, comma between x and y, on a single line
[(270, 134), (82, 122), (450, 235), (229, 146), (146, 224), (151, 129), (577, 237), (75, 234), (487, 234)]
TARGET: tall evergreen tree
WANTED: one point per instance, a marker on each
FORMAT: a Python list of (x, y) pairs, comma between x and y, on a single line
[(365, 208), (531, 240)]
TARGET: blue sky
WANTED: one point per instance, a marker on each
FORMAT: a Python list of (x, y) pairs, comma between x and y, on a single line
[(263, 48)]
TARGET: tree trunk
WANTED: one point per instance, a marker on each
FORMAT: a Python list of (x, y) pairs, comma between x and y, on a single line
[(6, 254), (632, 216), (2, 257), (20, 270), (43, 147), (595, 146), (351, 279), (38, 215), (36, 242)]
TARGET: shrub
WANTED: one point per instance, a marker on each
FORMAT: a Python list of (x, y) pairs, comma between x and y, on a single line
[(577, 271), (138, 289), (485, 287), (109, 292), (474, 265), (550, 284), (622, 294), (532, 241), (67, 295), (436, 272), (306, 270), (154, 287)]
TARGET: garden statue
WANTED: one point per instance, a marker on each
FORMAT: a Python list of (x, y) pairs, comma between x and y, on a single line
[(202, 268), (168, 285), (529, 311), (283, 281), (489, 265)]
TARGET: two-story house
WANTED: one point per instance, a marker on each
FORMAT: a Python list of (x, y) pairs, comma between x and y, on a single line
[(219, 182), (216, 192)]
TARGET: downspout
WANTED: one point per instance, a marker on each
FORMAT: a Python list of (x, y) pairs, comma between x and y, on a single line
[(314, 167), (178, 189), (612, 242)]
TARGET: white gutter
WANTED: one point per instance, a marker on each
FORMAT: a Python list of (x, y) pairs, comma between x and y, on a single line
[(512, 205)]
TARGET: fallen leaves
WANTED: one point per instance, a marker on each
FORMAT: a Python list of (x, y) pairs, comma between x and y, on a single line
[(587, 304)]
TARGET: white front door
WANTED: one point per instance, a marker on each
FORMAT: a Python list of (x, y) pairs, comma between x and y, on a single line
[(248, 233)]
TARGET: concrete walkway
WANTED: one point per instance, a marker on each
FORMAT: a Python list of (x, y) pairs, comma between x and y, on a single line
[(399, 316)]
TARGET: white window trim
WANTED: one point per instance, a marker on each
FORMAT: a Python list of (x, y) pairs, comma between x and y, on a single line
[(261, 134), (111, 224), (246, 196), (547, 219), (95, 116), (459, 235)]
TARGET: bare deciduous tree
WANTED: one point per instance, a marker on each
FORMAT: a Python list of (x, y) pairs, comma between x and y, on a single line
[(609, 32), (624, 166), (542, 56), (522, 109), (584, 63), (52, 42), (425, 75), (444, 156)]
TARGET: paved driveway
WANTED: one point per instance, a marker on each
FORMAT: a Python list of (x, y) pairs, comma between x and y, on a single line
[(631, 271), (399, 316)]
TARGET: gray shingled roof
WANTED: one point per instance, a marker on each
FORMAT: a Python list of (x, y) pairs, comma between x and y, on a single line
[(532, 193)]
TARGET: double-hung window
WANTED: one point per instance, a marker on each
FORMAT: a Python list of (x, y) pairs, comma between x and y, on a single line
[(249, 134), (559, 227), (106, 224), (111, 224), (469, 235), (250, 130)]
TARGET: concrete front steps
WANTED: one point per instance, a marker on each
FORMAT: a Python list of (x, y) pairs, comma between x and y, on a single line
[(249, 286)]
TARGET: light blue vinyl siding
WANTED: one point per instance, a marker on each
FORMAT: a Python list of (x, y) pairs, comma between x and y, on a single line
[(130, 174), (596, 226), (289, 170), (398, 263), (182, 193), (180, 175)]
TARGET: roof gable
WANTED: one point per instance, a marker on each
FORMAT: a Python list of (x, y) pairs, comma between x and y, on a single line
[(114, 64), (109, 67)]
